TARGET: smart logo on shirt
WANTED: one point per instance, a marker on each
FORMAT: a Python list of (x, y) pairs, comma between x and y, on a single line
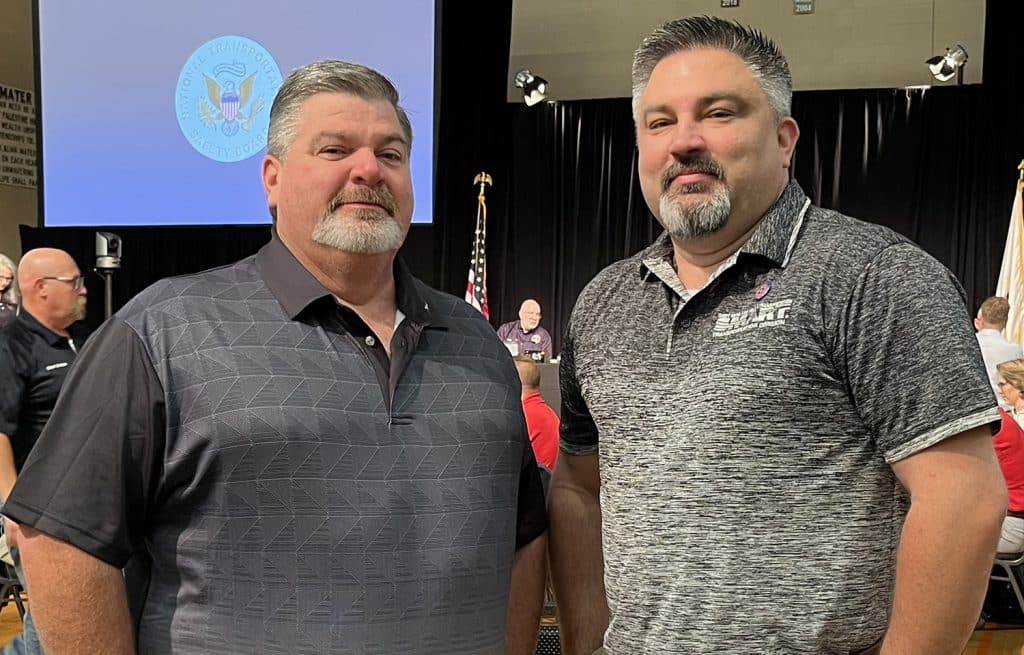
[(769, 314)]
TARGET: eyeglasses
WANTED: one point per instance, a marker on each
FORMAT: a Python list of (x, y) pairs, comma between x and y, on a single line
[(77, 282)]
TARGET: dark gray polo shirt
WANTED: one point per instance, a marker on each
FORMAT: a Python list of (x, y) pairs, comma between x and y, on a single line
[(294, 488), (745, 434)]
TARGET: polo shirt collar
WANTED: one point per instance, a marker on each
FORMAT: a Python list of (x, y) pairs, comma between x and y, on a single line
[(776, 234), (295, 288), (774, 237), (32, 324)]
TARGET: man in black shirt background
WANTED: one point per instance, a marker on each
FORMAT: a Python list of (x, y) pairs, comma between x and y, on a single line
[(36, 351)]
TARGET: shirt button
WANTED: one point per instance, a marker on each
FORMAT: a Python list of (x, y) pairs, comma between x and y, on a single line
[(370, 341)]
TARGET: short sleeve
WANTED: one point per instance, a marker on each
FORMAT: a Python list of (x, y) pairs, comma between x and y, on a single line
[(532, 514), (89, 479), (577, 432), (12, 387), (913, 364)]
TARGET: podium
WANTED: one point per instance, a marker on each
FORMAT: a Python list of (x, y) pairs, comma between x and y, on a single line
[(549, 389)]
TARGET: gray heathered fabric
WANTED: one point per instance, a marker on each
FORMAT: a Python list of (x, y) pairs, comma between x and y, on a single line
[(747, 499)]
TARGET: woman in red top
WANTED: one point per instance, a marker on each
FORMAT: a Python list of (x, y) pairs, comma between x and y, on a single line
[(1009, 444)]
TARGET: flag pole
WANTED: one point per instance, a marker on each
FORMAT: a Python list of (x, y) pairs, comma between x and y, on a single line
[(476, 284), (484, 180)]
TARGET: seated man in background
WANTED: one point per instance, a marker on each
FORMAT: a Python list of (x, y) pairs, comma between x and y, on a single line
[(36, 352), (526, 336), (541, 421), (995, 348)]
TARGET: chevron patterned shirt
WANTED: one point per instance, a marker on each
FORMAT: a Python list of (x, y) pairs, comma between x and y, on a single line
[(289, 486)]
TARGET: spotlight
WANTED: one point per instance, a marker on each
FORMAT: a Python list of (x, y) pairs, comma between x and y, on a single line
[(534, 87), (944, 67)]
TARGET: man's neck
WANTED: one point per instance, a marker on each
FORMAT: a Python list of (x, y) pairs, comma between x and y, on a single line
[(991, 328), (51, 323), (366, 283), (697, 259)]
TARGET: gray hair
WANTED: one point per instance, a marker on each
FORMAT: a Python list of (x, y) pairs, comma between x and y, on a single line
[(764, 59), (327, 76), (12, 295)]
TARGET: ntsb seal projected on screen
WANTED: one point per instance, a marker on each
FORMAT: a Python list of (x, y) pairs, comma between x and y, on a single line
[(223, 98)]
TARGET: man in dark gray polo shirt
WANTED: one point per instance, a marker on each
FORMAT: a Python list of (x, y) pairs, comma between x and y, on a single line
[(310, 450), (751, 403)]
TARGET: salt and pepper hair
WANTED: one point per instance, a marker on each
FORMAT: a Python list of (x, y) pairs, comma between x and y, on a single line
[(327, 76), (12, 295), (764, 59)]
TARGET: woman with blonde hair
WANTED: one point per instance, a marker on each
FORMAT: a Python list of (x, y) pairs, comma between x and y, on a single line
[(9, 295), (1009, 445)]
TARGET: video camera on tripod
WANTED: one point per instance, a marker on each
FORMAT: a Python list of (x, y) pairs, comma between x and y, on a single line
[(108, 260)]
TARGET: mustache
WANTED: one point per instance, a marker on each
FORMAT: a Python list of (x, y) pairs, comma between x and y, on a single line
[(692, 164), (371, 195)]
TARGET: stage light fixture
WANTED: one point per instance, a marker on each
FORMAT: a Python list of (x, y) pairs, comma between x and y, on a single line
[(534, 87), (944, 67)]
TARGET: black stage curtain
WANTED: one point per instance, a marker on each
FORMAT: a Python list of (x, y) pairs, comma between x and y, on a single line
[(937, 165)]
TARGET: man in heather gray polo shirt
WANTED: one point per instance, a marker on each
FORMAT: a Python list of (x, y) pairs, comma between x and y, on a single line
[(751, 404), (313, 451)]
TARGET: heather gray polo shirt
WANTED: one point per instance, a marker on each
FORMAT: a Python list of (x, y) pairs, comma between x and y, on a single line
[(294, 488), (745, 434)]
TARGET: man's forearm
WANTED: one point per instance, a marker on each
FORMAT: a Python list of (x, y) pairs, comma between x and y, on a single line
[(943, 567), (79, 603), (526, 598), (577, 569)]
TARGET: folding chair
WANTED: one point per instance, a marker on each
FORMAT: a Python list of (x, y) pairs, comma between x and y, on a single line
[(10, 588), (1010, 564)]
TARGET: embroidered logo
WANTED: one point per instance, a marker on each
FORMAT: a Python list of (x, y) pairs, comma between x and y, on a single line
[(769, 314)]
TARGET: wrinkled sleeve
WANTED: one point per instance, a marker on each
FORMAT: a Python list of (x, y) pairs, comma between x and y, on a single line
[(914, 366)]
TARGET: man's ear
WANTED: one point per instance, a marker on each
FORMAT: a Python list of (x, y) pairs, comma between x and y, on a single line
[(271, 173), (788, 132)]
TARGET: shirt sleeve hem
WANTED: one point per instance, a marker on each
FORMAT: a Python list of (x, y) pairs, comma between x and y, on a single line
[(577, 449), (58, 529), (941, 433)]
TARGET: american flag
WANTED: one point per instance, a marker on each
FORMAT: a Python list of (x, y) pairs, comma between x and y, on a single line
[(476, 285)]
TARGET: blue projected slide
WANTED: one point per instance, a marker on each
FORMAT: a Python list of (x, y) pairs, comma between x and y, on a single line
[(157, 113)]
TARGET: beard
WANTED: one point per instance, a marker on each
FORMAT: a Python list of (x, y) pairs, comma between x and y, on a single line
[(366, 231), (685, 218), (78, 310)]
